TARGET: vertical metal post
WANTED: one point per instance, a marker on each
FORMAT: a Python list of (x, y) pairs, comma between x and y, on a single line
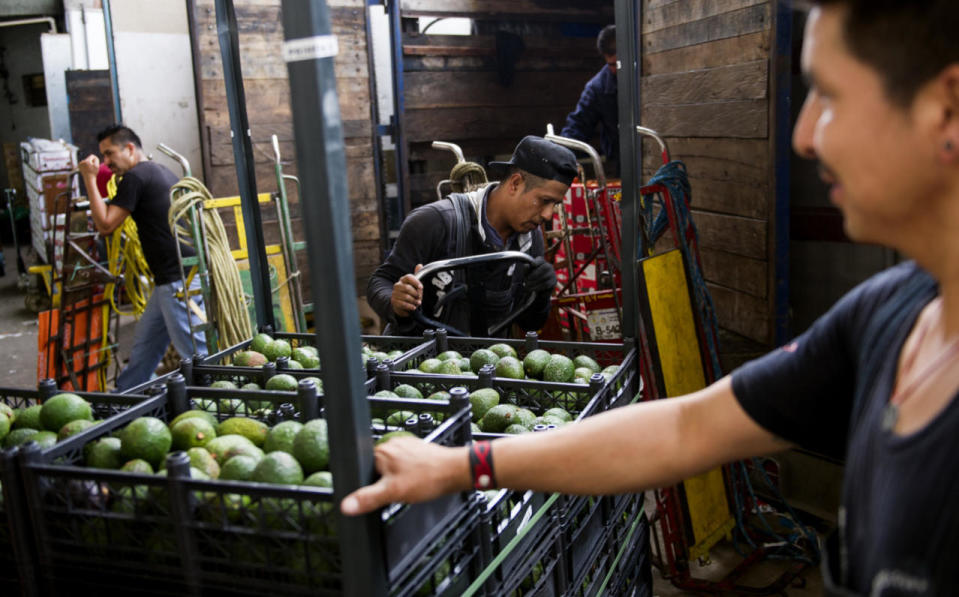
[(782, 151), (399, 107), (112, 57), (226, 31), (308, 51), (627, 52)]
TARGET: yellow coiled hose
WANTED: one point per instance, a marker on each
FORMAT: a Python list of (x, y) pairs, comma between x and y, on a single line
[(228, 302)]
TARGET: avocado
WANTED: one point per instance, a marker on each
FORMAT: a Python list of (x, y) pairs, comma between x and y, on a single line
[(516, 429), (225, 447), (450, 367), (385, 394), (582, 373), (588, 362), (464, 365), (7, 417), (379, 355), (317, 382), (277, 349), (225, 384), (249, 358), (430, 365), (499, 418), (482, 357), (320, 479), (559, 368), (251, 429), (510, 367), (137, 465), (238, 468), (260, 341), (535, 362), (103, 453), (28, 418), (311, 447), (251, 386), (278, 467), (547, 420), (504, 350), (59, 410), (283, 382), (209, 418), (310, 349), (202, 459), (305, 357), (482, 400), (73, 427), (294, 364), (474, 428), (558, 413), (388, 436), (147, 438), (46, 439), (449, 354), (610, 371), (191, 432), (407, 391), (398, 418), (525, 417), (281, 437)]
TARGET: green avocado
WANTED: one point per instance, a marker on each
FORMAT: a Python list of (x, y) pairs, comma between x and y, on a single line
[(284, 382), (59, 410), (281, 437), (249, 358), (482, 357), (147, 438), (504, 350), (407, 391), (191, 432), (588, 362), (510, 367), (482, 400), (535, 362), (260, 341), (312, 447), (251, 429), (499, 417), (278, 467), (559, 368)]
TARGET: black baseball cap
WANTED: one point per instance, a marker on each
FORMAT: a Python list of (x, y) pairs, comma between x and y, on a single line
[(540, 158)]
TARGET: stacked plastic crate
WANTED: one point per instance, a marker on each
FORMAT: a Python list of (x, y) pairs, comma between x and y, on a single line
[(46, 173)]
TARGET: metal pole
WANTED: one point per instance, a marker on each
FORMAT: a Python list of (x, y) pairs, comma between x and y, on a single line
[(112, 57), (245, 167), (308, 51), (628, 73), (399, 106)]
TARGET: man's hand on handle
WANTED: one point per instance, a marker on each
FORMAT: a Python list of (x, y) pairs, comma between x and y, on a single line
[(540, 276), (407, 294), (412, 471)]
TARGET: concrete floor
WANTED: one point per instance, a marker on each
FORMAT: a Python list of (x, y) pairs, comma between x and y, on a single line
[(18, 330)]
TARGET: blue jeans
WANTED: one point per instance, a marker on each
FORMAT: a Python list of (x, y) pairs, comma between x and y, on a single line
[(164, 319)]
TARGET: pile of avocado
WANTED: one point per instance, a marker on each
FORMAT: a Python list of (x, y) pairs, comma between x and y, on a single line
[(537, 364), (281, 382), (236, 449), (58, 418), (264, 349)]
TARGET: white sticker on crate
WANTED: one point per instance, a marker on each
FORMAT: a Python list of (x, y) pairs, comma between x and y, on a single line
[(310, 48), (603, 324)]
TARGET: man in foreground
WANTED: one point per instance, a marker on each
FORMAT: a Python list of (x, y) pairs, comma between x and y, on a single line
[(874, 380)]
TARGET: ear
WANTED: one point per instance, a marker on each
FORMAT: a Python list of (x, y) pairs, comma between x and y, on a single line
[(515, 183), (946, 93)]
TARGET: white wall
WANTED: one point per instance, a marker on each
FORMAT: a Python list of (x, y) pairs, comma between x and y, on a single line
[(155, 76)]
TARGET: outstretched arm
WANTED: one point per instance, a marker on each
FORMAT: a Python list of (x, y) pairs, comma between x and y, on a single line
[(633, 448)]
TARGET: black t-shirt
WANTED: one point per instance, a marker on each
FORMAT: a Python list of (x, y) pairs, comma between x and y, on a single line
[(898, 525), (144, 190), (426, 237)]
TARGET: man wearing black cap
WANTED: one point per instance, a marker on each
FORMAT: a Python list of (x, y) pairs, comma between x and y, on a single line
[(503, 216)]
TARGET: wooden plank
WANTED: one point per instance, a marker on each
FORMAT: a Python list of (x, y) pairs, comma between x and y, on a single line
[(452, 124), (743, 48), (572, 63), (733, 82), (733, 234), (557, 10), (475, 149), (744, 314), (676, 13), (731, 24), (736, 272), (740, 160), (728, 197), (450, 90), (366, 225), (261, 58), (746, 119), (416, 44)]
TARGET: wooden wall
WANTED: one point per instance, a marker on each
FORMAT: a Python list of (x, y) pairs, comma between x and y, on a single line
[(268, 107), (453, 92), (705, 87)]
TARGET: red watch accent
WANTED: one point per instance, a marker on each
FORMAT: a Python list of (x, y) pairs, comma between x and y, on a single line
[(481, 465)]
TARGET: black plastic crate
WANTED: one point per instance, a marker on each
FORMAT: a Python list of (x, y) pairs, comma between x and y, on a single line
[(584, 531), (534, 566), (505, 514), (385, 344), (17, 552), (599, 571), (111, 529), (632, 572)]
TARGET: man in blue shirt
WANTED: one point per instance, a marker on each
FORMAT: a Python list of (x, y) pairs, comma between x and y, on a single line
[(598, 105)]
